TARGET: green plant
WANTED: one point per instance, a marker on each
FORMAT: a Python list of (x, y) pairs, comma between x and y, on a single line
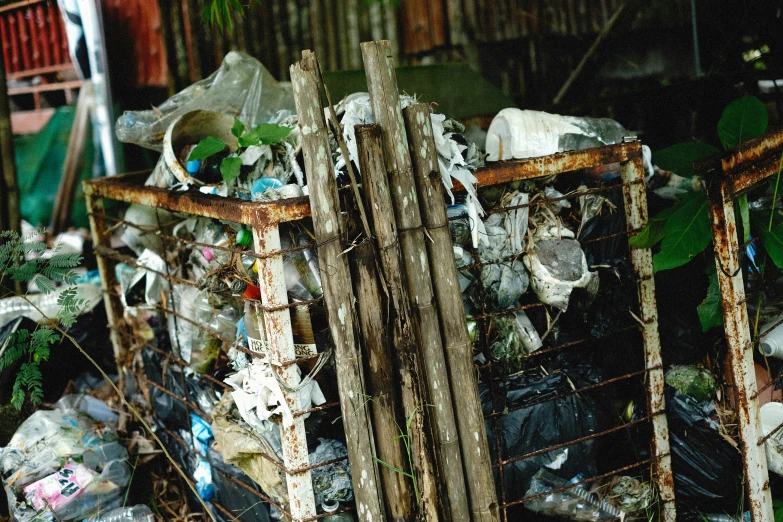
[(218, 12), (32, 348), (405, 436), (264, 134), (684, 231)]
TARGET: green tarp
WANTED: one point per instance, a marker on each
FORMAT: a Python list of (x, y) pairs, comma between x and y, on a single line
[(39, 163)]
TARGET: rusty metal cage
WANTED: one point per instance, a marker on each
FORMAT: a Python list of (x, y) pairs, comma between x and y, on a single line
[(638, 379), (736, 173)]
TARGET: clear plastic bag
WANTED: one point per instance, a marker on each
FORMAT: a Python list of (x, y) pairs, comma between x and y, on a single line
[(241, 87), (575, 503)]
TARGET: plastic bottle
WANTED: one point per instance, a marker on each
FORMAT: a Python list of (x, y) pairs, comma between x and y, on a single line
[(771, 342), (459, 228), (330, 506), (140, 513)]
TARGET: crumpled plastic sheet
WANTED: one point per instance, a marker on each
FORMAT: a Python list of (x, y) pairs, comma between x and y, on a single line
[(150, 266), (333, 481), (516, 337), (49, 440), (233, 497), (14, 307), (241, 87), (504, 279), (557, 267)]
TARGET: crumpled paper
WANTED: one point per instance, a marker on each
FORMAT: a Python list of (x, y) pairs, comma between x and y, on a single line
[(258, 395)]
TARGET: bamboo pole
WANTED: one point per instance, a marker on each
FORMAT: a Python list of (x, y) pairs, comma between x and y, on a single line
[(384, 98), (335, 276), (353, 37), (459, 349), (381, 383), (10, 217), (408, 360)]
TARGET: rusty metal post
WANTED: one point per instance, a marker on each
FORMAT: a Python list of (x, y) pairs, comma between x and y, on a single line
[(280, 343), (114, 311), (735, 321), (635, 199)]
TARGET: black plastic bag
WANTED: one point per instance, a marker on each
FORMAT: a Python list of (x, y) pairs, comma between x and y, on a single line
[(237, 500), (525, 429), (707, 469)]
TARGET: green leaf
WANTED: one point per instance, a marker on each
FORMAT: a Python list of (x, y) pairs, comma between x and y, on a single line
[(773, 243), (679, 158), (711, 310), (266, 133), (392, 467), (744, 119), (229, 168), (649, 236), (238, 129), (744, 212), (688, 232), (207, 147), (665, 214)]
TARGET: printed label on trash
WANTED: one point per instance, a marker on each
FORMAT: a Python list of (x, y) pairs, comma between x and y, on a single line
[(59, 488), (261, 346)]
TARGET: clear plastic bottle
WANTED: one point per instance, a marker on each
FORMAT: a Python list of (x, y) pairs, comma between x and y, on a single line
[(140, 513)]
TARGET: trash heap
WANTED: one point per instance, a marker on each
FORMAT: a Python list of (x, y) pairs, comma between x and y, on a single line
[(543, 266)]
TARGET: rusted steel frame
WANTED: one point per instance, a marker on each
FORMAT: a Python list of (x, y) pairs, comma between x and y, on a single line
[(255, 492), (580, 483), (575, 441), (106, 268), (635, 203), (515, 170), (127, 188), (507, 311), (279, 338), (735, 321), (570, 392), (734, 161), (322, 407)]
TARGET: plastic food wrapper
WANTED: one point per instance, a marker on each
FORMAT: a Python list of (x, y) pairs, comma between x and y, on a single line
[(143, 223), (66, 459), (149, 268), (333, 481), (697, 382), (202, 438), (241, 87), (575, 503), (540, 425)]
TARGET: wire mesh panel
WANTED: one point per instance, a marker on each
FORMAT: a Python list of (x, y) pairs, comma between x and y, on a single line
[(290, 336), (743, 171), (571, 380), (570, 371)]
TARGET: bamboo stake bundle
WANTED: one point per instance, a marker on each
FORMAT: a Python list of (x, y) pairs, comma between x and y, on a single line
[(459, 349), (409, 363), (384, 98), (381, 383), (335, 278)]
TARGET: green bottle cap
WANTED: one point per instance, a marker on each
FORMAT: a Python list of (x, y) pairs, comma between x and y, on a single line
[(244, 237)]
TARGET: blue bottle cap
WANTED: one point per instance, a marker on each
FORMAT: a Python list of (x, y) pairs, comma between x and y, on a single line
[(193, 166)]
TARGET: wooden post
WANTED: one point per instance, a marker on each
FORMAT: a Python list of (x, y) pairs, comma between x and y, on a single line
[(382, 383), (336, 281), (384, 98), (10, 217), (409, 363), (459, 349)]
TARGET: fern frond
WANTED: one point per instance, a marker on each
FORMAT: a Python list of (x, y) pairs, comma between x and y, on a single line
[(26, 272), (16, 347), (65, 260), (43, 283)]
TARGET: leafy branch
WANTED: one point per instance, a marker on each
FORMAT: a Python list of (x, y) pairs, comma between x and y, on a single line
[(264, 134), (44, 271), (684, 231)]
